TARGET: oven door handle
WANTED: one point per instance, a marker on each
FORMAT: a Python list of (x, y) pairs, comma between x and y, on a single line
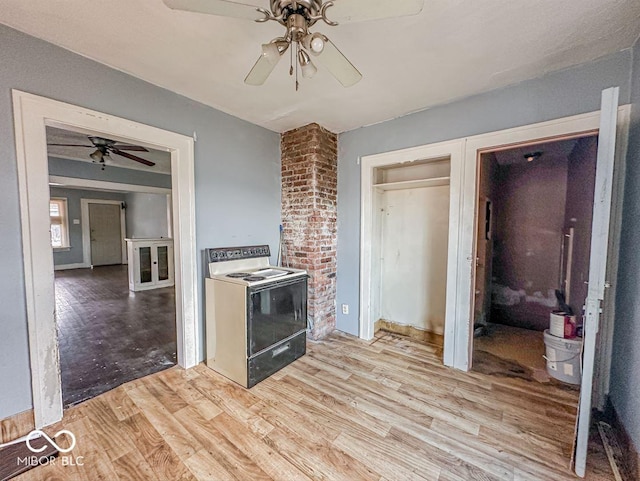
[(281, 349), (276, 284)]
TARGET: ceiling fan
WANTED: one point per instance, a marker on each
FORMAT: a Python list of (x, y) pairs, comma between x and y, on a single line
[(105, 147), (297, 16)]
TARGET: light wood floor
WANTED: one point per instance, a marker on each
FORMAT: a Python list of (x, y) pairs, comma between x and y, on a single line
[(348, 410)]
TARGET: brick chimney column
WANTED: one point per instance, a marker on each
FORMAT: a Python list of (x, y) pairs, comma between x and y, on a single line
[(309, 215)]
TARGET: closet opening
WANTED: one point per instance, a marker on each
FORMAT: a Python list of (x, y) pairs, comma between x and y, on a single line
[(533, 239), (410, 249)]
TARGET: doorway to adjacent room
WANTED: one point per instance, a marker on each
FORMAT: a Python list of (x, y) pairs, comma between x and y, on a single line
[(32, 115), (115, 324), (535, 209)]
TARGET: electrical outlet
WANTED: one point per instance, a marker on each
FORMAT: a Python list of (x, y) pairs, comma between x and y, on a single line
[(345, 308)]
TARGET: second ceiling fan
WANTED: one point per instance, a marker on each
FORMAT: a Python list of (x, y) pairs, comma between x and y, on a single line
[(105, 147), (298, 16)]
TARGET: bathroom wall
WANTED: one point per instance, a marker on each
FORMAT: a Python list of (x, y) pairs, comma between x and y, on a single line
[(579, 215), (529, 209)]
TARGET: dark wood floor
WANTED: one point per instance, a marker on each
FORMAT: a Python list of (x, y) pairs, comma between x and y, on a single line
[(109, 335)]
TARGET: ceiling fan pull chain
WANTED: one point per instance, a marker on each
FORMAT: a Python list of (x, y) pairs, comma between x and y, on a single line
[(291, 61), (297, 52)]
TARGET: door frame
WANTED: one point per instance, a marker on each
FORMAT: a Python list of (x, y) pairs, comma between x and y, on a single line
[(86, 229), (370, 228), (458, 342), (32, 114), (564, 128)]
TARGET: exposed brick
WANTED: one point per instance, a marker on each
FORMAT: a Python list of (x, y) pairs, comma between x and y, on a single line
[(309, 206)]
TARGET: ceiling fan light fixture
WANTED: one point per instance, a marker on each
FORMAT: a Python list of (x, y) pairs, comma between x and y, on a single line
[(317, 44), (273, 50), (531, 156), (97, 155), (297, 17), (314, 43), (306, 65)]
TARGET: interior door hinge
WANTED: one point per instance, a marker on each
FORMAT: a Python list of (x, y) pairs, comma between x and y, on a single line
[(593, 312)]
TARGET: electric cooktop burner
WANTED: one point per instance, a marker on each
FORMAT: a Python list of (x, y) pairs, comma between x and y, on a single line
[(254, 278), (238, 275)]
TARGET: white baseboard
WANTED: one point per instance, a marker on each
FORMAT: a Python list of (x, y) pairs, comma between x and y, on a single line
[(64, 267)]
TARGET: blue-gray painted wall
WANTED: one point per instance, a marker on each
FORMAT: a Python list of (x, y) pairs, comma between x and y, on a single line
[(560, 94), (86, 170), (73, 196), (146, 215), (237, 173), (625, 369)]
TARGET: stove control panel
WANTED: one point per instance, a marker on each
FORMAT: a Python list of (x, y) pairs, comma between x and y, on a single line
[(222, 254)]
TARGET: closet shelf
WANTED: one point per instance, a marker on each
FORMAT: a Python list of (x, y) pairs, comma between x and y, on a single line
[(413, 184)]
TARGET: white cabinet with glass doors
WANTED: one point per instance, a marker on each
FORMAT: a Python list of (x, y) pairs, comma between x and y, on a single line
[(150, 263)]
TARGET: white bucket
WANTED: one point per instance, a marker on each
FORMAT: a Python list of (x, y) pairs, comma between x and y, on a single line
[(564, 359)]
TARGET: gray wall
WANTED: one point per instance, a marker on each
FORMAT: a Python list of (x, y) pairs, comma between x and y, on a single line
[(146, 215), (555, 95), (87, 170), (237, 173), (73, 196), (625, 370)]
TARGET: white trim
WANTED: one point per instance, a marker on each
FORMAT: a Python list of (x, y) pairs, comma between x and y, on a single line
[(75, 183), (369, 224), (169, 217), (65, 267), (462, 226), (86, 229), (31, 114), (600, 235)]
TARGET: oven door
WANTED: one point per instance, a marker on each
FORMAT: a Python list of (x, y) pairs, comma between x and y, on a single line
[(275, 312)]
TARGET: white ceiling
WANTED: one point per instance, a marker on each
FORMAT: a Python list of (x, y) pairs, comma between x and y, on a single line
[(453, 49), (60, 136)]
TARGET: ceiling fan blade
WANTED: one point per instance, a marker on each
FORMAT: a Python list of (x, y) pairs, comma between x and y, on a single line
[(339, 65), (136, 148), (222, 8), (72, 145), (271, 55), (132, 157), (345, 11)]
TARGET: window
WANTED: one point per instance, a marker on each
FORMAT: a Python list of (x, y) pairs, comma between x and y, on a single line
[(59, 223)]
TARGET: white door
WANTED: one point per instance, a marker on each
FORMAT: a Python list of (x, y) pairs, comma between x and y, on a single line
[(106, 235), (597, 266)]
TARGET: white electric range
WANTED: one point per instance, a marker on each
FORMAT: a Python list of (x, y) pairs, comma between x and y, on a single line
[(256, 314)]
